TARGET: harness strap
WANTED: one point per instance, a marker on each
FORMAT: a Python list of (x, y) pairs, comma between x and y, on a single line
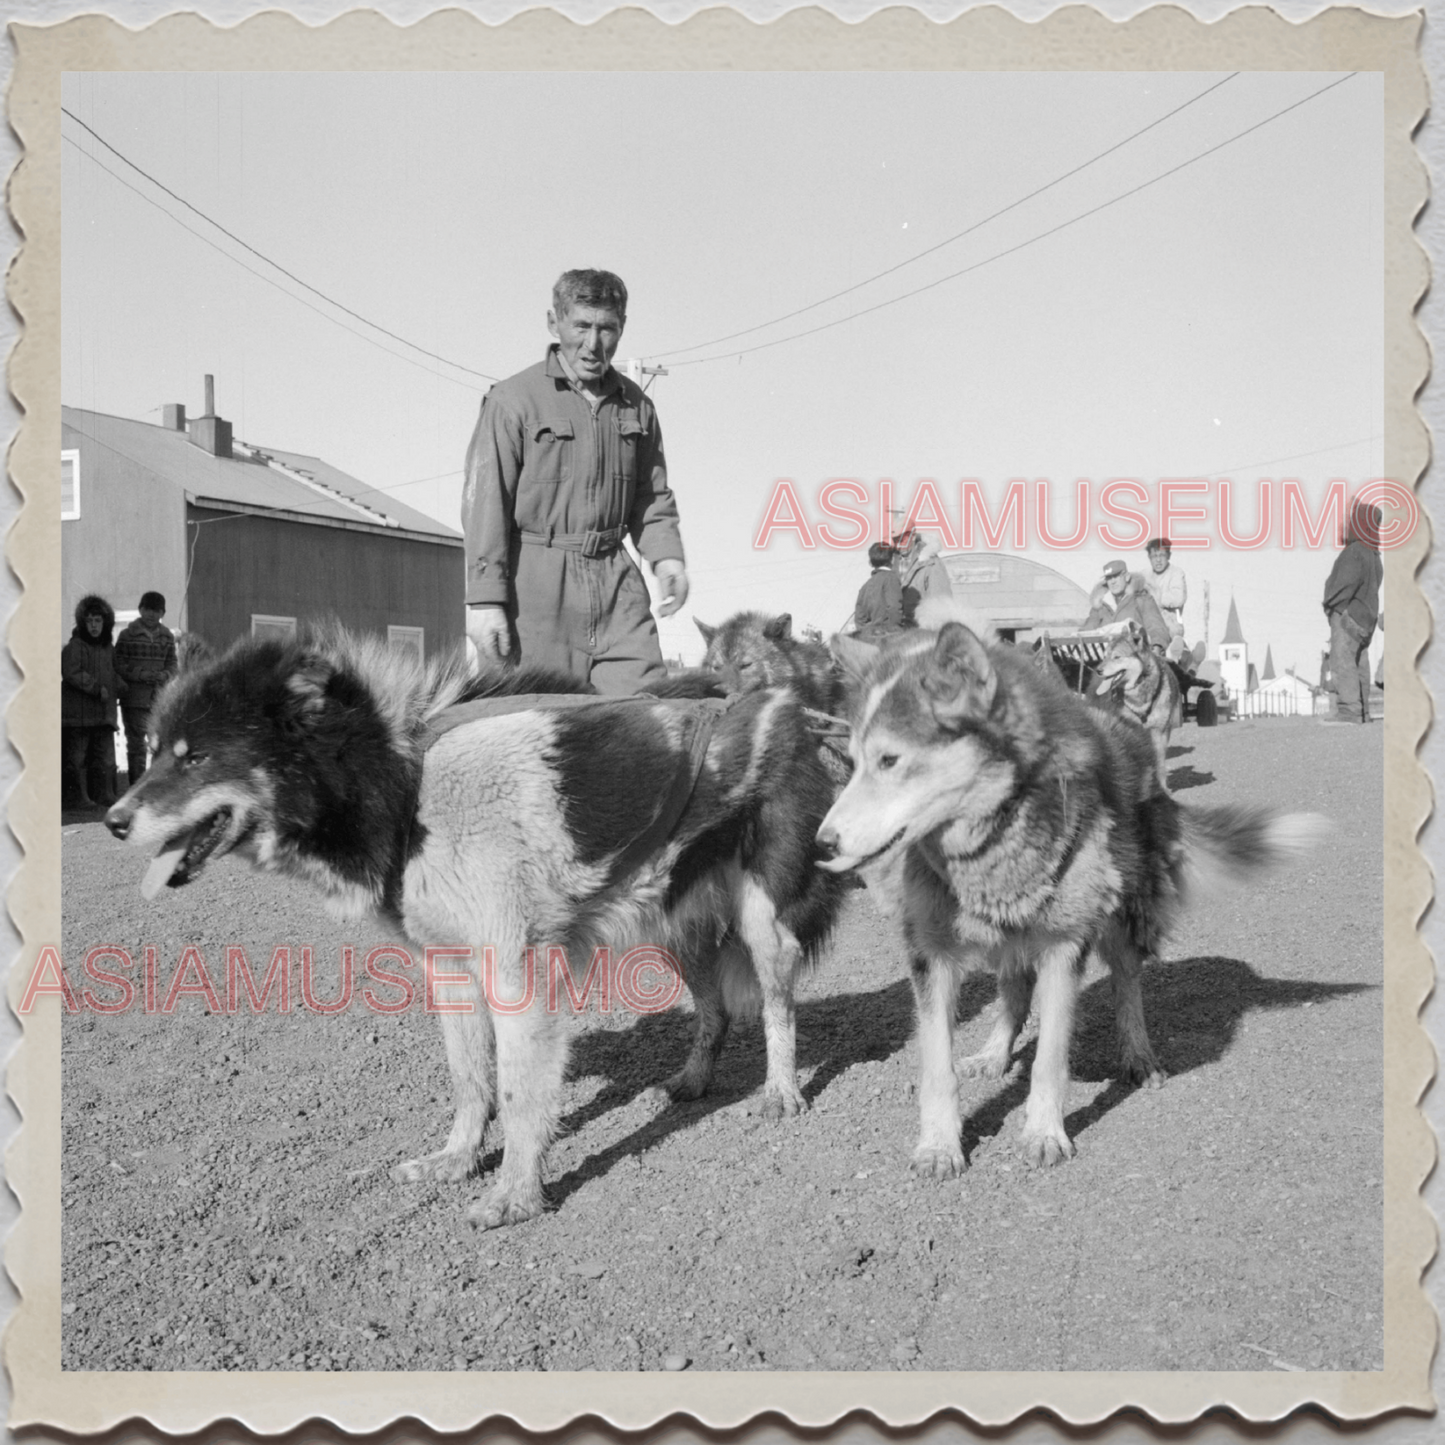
[(700, 716)]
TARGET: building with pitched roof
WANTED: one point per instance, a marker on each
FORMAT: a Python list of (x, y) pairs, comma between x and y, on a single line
[(245, 539)]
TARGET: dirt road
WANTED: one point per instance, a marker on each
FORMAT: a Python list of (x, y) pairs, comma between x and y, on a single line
[(227, 1202)]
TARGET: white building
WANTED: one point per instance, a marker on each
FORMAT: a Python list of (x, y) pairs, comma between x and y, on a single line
[(1234, 669)]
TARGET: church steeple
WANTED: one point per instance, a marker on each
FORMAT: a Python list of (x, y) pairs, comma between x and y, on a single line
[(1232, 632), (1234, 667)]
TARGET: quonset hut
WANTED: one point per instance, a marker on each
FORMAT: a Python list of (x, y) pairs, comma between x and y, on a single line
[(1019, 596)]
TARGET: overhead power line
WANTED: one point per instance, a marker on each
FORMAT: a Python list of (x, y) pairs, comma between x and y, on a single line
[(958, 236), (231, 235), (269, 280), (1022, 245)]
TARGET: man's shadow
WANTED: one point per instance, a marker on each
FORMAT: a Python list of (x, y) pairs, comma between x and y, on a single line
[(1193, 1006)]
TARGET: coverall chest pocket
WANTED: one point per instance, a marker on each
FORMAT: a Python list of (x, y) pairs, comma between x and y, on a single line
[(550, 461), (630, 435)]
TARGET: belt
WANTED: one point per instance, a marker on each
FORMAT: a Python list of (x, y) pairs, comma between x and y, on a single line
[(589, 544)]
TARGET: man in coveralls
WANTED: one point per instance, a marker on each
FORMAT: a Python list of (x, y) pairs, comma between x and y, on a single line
[(565, 462)]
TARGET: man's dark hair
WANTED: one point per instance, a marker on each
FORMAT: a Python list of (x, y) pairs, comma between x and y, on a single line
[(589, 288), (153, 600), (1160, 544), (880, 554)]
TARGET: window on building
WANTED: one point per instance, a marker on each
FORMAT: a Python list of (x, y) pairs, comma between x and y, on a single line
[(408, 639), (281, 628), (69, 486)]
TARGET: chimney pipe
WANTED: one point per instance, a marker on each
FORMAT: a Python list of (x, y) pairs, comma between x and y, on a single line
[(210, 432), (173, 416)]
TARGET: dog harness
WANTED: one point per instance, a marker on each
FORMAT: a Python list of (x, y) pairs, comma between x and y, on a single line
[(699, 717)]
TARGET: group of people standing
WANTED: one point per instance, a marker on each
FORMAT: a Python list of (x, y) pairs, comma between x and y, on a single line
[(98, 674), (902, 577)]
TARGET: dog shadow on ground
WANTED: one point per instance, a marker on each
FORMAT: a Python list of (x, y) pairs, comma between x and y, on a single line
[(1187, 775), (834, 1034), (1194, 1007)]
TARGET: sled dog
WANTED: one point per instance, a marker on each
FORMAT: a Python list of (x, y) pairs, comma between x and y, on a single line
[(1024, 829), (753, 650), (1148, 689), (575, 822)]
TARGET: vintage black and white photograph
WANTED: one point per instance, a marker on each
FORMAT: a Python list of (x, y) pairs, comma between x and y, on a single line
[(828, 626)]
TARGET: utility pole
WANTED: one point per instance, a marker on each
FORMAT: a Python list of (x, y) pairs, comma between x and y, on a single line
[(1206, 619), (634, 368)]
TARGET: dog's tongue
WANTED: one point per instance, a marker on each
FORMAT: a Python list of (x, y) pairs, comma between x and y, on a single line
[(162, 866)]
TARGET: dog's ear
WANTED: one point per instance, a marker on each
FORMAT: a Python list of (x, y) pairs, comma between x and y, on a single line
[(708, 633), (854, 656), (959, 677), (779, 629), (1136, 632), (306, 686)]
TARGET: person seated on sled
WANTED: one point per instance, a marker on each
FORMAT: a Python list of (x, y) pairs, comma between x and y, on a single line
[(1122, 597), (878, 612), (1167, 586), (922, 574)]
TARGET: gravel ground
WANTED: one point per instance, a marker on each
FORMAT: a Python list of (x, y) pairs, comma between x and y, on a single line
[(227, 1202)]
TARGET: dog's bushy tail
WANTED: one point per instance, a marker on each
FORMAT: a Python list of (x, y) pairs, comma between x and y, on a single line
[(1226, 845)]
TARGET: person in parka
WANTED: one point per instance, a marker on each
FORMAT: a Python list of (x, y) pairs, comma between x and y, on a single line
[(1122, 597), (89, 690)]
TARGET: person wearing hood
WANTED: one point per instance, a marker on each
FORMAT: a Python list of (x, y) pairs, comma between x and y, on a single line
[(1352, 605), (923, 575), (89, 689)]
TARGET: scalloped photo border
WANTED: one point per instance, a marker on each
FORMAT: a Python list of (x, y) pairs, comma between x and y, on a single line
[(1072, 39)]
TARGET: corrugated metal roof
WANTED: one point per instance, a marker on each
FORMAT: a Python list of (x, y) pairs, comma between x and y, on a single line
[(317, 491)]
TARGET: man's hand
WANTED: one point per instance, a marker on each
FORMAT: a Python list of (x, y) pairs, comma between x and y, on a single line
[(489, 633), (672, 579)]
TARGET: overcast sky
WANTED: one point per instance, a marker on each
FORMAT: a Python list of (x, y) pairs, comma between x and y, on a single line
[(1223, 321)]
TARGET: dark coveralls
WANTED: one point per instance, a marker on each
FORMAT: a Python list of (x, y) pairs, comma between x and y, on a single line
[(552, 488), (1352, 604)]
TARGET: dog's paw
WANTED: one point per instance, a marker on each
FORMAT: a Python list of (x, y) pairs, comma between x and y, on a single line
[(931, 1163), (443, 1167), (502, 1207), (783, 1103), (984, 1066), (682, 1088), (1145, 1073), (1044, 1150)]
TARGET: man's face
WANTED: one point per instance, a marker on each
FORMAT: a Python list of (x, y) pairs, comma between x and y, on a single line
[(151, 615), (1159, 559), (587, 337), (94, 623), (1118, 582)]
